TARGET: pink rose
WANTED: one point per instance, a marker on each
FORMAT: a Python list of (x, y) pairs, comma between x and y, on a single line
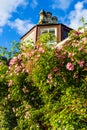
[(81, 63), (70, 66), (50, 76), (10, 83), (13, 61), (19, 56)]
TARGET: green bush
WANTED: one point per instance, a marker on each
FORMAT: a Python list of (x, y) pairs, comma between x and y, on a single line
[(45, 88)]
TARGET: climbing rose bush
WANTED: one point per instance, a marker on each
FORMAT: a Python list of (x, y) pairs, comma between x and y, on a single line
[(45, 87)]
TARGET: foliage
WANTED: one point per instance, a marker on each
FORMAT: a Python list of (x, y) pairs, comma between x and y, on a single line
[(45, 88), (8, 54)]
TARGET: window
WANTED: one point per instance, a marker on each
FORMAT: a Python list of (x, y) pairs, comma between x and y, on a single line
[(52, 31), (49, 30), (65, 33)]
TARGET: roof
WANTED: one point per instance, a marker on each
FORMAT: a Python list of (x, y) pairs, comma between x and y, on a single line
[(46, 24), (63, 42)]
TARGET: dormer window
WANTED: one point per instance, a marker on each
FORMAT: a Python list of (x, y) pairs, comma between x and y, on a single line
[(47, 24), (53, 31)]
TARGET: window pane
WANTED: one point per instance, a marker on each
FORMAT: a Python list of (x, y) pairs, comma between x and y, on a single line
[(52, 31), (48, 30), (65, 33), (44, 31)]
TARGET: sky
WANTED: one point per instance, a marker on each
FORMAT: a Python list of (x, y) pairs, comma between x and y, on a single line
[(19, 16)]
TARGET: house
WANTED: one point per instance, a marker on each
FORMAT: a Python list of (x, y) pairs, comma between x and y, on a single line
[(47, 23)]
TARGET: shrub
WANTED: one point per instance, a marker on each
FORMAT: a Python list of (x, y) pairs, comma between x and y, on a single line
[(45, 87)]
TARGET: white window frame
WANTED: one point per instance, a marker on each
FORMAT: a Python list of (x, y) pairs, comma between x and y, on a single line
[(48, 29)]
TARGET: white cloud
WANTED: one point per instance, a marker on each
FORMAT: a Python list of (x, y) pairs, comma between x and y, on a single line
[(34, 4), (78, 12), (62, 4), (21, 26), (7, 8)]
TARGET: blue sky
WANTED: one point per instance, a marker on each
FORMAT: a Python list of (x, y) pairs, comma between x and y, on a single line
[(18, 16)]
